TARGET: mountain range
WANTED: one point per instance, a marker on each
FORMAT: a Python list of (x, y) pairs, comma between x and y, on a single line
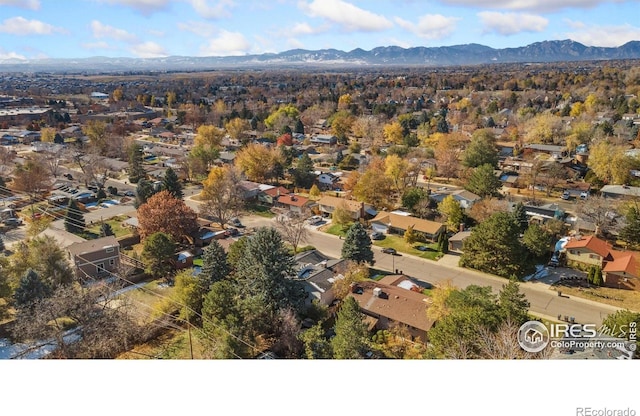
[(469, 54)]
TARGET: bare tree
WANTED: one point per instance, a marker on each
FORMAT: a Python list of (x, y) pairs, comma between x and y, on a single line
[(292, 229), (503, 344), (600, 211), (6, 159)]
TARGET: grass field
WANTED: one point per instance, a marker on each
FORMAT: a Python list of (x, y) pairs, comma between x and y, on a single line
[(627, 299), (401, 246), (116, 225)]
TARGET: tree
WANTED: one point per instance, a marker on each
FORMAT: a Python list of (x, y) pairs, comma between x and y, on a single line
[(537, 240), (293, 230), (31, 289), (144, 191), (157, 253), (357, 245), (222, 322), (483, 181), (609, 162), (106, 230), (221, 194), (257, 161), (236, 128), (44, 255), (600, 211), (354, 273), (171, 183), (482, 150), (520, 215), (597, 276), (373, 186), (164, 213), (136, 168), (299, 127), (33, 179), (494, 247), (513, 303), (630, 233), (97, 133), (316, 346), (453, 211), (342, 216), (2, 246), (208, 137), (393, 133), (188, 295), (397, 169), (215, 266), (47, 134), (619, 323), (447, 153), (412, 196), (303, 175), (352, 338), (410, 235), (74, 219), (314, 192)]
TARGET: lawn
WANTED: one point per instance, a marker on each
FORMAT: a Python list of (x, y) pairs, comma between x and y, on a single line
[(116, 225), (627, 299), (335, 229), (261, 210), (172, 345), (148, 300), (397, 242)]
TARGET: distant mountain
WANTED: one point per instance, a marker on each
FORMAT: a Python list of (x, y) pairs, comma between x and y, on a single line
[(471, 54)]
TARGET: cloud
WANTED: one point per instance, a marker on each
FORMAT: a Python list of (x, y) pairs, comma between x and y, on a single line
[(97, 45), (105, 31), (212, 10), (25, 4), (148, 50), (511, 23), (430, 26), (531, 5), (203, 29), (610, 36), (348, 16), (21, 26), (293, 43), (6, 55), (226, 44), (302, 29), (146, 7)]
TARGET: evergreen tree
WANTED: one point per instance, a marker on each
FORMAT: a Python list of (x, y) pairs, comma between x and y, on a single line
[(136, 168), (144, 191), (157, 252), (590, 274), (31, 288), (630, 233), (357, 245), (106, 230), (303, 175), (101, 194), (171, 183), (339, 157), (316, 346), (299, 127), (2, 246), (513, 303), (483, 181), (352, 338), (215, 266), (537, 240), (74, 220), (597, 276), (520, 215), (482, 150)]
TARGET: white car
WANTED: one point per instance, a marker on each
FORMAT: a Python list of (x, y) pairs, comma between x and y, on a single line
[(314, 220)]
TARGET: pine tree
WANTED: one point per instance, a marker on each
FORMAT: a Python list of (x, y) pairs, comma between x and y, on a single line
[(520, 214), (136, 168), (74, 220), (299, 127), (590, 274), (215, 266), (2, 247), (31, 288), (513, 303), (597, 276), (106, 230), (357, 245), (171, 183), (352, 337), (144, 191)]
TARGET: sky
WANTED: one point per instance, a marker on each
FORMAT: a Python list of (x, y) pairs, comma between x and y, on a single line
[(32, 29)]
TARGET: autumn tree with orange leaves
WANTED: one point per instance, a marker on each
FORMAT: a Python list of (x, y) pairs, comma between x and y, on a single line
[(164, 213)]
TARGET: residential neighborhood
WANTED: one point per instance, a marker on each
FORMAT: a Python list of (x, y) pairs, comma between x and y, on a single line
[(366, 226)]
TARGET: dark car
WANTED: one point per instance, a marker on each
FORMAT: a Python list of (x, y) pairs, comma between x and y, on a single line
[(231, 232), (12, 222), (389, 250), (377, 235)]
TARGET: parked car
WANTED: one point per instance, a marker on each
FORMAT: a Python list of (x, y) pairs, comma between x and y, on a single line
[(231, 232), (235, 222), (389, 250), (584, 195), (314, 220), (377, 235), (566, 195), (129, 193), (12, 222)]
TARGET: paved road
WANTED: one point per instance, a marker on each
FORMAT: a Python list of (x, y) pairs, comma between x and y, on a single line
[(544, 301)]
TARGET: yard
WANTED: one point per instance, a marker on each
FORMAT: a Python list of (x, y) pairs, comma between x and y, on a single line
[(116, 225), (335, 229), (628, 299), (172, 345), (428, 250), (261, 210), (150, 300)]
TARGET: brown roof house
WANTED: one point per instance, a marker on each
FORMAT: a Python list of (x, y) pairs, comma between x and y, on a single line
[(397, 222), (94, 259), (294, 203), (390, 302), (328, 204)]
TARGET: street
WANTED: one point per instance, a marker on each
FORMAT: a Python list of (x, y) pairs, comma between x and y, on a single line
[(544, 301)]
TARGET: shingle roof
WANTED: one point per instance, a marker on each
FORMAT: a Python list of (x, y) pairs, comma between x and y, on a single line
[(293, 200), (91, 246), (592, 243), (403, 222), (332, 201), (623, 262)]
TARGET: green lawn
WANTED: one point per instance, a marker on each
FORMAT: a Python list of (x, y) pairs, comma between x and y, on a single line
[(116, 225), (260, 210), (335, 229), (401, 246)]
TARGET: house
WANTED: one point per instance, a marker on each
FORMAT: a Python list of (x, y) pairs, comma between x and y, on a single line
[(318, 272), (620, 269), (556, 151), (464, 197), (620, 191), (328, 204), (326, 139), (249, 190), (397, 222), (183, 260), (328, 180), (294, 203), (389, 304), (456, 241), (96, 258), (270, 195)]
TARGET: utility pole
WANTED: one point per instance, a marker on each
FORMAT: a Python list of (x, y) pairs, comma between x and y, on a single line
[(189, 332)]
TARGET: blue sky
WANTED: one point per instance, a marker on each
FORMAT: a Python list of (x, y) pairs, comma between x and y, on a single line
[(154, 28)]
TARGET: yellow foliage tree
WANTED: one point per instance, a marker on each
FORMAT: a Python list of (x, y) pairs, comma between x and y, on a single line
[(47, 134), (257, 161), (209, 136), (397, 169), (393, 133), (355, 273)]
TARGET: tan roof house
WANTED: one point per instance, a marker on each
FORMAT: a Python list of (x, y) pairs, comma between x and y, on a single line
[(328, 204), (94, 259), (398, 223)]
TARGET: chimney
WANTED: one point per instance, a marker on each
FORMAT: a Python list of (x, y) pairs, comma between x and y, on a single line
[(377, 292), (461, 228)]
